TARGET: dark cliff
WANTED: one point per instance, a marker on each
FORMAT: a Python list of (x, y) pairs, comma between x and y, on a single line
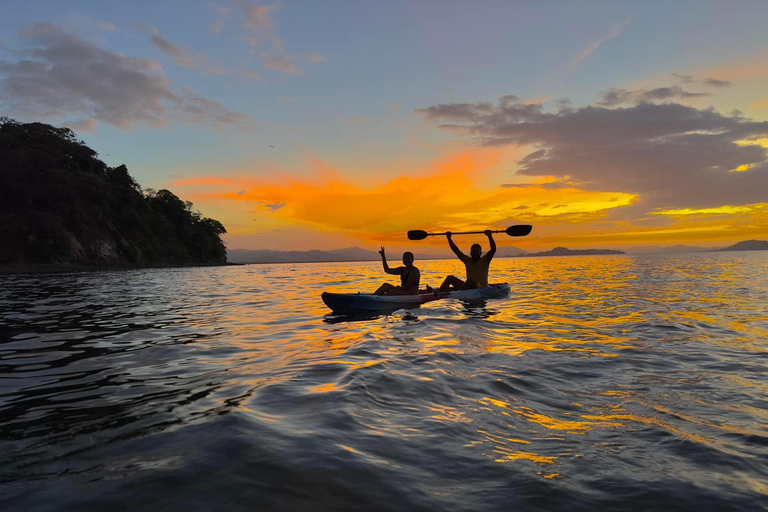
[(60, 204)]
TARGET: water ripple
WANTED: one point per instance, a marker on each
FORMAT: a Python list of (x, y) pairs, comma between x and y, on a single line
[(621, 383)]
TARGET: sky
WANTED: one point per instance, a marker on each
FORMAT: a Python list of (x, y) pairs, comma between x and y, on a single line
[(327, 124)]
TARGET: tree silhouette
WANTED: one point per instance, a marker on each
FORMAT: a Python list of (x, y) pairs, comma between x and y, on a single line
[(60, 203)]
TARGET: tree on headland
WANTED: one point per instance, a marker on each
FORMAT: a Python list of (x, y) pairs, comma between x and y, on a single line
[(59, 203)]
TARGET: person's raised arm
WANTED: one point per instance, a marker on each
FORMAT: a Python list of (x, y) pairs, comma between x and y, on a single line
[(454, 247), (491, 241), (388, 270)]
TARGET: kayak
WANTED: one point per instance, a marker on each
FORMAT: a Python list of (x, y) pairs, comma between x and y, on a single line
[(351, 303)]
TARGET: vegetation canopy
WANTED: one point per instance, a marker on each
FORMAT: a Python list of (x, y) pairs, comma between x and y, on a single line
[(60, 204)]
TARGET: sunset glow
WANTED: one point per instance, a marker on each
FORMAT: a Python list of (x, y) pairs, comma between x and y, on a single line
[(295, 141)]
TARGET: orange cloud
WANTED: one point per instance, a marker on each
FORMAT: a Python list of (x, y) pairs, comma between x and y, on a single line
[(328, 208), (449, 196)]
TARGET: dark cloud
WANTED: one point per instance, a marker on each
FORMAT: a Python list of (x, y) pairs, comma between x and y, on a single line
[(613, 97), (716, 83), (63, 78), (563, 103), (181, 57), (274, 206), (686, 79), (533, 156), (671, 155), (712, 82)]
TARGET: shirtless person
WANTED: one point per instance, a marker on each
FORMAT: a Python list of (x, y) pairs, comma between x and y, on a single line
[(476, 264), (409, 277)]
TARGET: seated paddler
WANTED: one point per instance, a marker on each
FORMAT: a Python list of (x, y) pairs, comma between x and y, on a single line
[(409, 276), (476, 264)]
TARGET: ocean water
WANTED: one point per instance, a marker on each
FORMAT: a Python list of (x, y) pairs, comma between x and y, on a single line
[(600, 383)]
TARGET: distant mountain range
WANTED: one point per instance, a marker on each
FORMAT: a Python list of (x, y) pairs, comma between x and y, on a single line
[(746, 245), (348, 254), (359, 254), (562, 251)]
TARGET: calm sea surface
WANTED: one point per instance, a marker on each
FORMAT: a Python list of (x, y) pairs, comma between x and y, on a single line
[(601, 383)]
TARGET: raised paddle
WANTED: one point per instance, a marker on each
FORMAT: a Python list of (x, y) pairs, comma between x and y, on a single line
[(518, 230)]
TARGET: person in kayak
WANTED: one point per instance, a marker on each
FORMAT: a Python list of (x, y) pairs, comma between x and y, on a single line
[(476, 263), (409, 276)]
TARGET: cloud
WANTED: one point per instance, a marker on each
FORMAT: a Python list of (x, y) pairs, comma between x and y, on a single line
[(273, 206), (204, 112), (80, 23), (721, 210), (670, 155), (89, 125), (563, 103), (222, 13), (316, 57), (594, 46), (66, 79), (688, 79), (256, 17), (217, 26), (716, 83), (531, 157), (247, 74), (383, 211), (322, 206), (278, 60), (180, 56), (613, 97), (263, 40)]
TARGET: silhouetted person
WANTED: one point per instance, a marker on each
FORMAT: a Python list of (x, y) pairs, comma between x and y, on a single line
[(476, 264), (409, 276)]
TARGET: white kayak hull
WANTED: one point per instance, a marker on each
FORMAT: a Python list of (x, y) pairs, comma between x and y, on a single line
[(352, 303)]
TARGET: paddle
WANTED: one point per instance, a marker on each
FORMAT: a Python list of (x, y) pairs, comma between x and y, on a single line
[(518, 230)]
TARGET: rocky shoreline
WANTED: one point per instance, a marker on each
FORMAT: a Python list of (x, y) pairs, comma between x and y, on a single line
[(72, 268)]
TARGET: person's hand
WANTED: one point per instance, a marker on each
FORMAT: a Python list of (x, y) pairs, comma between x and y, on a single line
[(488, 233), (382, 252), (448, 235)]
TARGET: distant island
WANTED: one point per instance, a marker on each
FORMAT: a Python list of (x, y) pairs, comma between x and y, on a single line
[(61, 205), (748, 245), (340, 255), (562, 251)]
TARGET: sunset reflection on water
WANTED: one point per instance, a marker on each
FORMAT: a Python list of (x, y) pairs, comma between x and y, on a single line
[(651, 368)]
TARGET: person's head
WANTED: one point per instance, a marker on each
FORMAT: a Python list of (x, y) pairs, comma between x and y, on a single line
[(475, 251), (408, 258)]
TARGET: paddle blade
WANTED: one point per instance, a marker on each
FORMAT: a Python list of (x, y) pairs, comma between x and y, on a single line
[(519, 230), (417, 234)]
